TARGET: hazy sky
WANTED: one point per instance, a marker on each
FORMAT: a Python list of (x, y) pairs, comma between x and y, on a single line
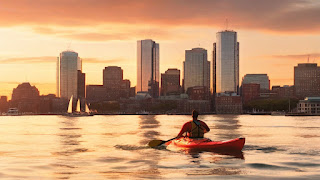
[(274, 35)]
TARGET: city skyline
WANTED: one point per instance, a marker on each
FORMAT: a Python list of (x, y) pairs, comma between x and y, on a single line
[(30, 45)]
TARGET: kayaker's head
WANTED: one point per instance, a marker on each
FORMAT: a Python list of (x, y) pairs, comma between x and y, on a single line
[(195, 114)]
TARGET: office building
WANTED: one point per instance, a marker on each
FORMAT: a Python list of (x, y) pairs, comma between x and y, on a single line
[(81, 85), (170, 82), (67, 74), (307, 80), (112, 77), (226, 56), (229, 104), (283, 92), (25, 97), (196, 69), (198, 93), (148, 67), (250, 92), (262, 79)]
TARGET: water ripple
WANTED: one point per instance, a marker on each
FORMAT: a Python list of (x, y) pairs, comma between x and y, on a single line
[(268, 166), (130, 147), (270, 149), (216, 171)]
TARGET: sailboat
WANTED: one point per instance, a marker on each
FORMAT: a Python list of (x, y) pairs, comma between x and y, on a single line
[(78, 111)]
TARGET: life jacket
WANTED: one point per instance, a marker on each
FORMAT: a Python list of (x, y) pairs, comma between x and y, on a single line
[(197, 131)]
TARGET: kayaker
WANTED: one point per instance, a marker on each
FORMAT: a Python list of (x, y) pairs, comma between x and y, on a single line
[(194, 128)]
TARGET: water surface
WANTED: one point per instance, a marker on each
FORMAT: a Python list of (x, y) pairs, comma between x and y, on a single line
[(114, 147)]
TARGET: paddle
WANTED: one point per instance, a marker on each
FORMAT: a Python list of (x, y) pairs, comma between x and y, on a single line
[(155, 143)]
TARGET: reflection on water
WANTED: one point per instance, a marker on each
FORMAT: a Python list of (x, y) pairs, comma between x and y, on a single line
[(227, 127), (69, 135), (149, 126), (114, 147)]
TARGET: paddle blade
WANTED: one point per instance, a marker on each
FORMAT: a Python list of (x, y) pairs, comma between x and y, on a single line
[(155, 143)]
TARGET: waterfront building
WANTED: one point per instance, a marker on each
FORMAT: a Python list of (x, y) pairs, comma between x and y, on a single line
[(250, 92), (198, 93), (148, 67), (307, 80), (3, 104), (170, 82), (132, 92), (67, 74), (310, 105), (81, 85), (261, 79), (25, 97), (112, 77), (284, 91), (96, 93), (226, 57), (228, 104), (196, 68), (125, 89)]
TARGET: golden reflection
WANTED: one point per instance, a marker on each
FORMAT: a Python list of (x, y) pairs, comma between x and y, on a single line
[(70, 145), (227, 127)]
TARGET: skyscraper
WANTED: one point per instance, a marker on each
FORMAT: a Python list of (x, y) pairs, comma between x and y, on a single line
[(196, 69), (227, 62), (148, 67), (67, 74)]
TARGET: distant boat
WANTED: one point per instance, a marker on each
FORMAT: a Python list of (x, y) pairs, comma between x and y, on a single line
[(13, 112), (278, 113), (78, 111)]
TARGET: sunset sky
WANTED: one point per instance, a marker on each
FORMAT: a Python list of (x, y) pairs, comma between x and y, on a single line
[(274, 35)]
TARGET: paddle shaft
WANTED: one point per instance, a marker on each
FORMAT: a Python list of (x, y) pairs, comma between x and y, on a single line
[(168, 140)]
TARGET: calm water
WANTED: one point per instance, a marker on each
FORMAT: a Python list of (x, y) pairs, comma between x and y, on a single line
[(114, 147)]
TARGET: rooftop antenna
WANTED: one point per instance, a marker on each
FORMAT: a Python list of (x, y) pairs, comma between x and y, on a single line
[(227, 24), (308, 57), (69, 45)]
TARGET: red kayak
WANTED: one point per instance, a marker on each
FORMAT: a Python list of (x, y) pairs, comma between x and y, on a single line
[(205, 143)]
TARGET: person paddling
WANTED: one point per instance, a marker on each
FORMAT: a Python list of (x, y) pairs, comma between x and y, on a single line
[(194, 128)]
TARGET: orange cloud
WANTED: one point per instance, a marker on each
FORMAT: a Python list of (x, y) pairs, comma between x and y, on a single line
[(294, 16), (29, 60), (53, 59), (298, 57)]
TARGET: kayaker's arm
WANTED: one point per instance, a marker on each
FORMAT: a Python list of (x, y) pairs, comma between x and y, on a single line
[(206, 128), (183, 130)]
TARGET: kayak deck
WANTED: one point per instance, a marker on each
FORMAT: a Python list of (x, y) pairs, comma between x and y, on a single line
[(205, 143)]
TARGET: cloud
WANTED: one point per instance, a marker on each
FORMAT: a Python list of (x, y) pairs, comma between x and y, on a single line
[(53, 59), (285, 16), (104, 33), (297, 57), (29, 60), (102, 61)]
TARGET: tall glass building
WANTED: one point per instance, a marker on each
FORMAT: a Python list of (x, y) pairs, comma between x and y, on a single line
[(148, 67), (67, 74), (196, 68), (226, 62)]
